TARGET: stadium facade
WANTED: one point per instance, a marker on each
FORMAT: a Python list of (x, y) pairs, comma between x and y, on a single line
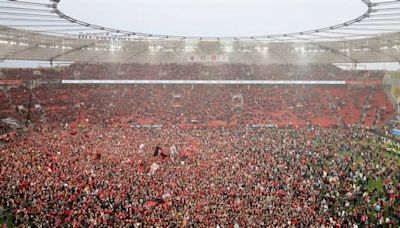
[(39, 30)]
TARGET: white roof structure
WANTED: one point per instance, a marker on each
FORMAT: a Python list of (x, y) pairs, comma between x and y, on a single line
[(38, 30)]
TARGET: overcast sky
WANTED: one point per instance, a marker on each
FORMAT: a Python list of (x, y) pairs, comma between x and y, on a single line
[(214, 17)]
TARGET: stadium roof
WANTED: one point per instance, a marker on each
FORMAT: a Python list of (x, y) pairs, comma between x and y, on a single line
[(39, 30)]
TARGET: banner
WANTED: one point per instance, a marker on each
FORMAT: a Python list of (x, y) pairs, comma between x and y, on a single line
[(396, 132), (364, 82), (393, 147), (153, 168), (138, 126), (202, 82), (10, 82), (208, 59), (396, 91)]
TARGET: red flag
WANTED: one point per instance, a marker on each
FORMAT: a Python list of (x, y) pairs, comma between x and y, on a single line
[(152, 204), (140, 168), (81, 186), (189, 151), (185, 153), (155, 202), (69, 212), (121, 215), (131, 163), (24, 185)]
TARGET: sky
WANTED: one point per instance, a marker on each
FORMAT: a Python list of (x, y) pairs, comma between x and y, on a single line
[(214, 17)]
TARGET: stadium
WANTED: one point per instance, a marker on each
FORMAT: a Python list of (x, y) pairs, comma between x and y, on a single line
[(108, 127)]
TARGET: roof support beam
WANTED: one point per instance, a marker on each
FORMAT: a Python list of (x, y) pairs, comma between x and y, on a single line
[(332, 50), (71, 51)]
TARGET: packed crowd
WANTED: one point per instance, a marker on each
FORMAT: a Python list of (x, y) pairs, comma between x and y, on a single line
[(196, 106), (192, 72), (203, 105), (245, 177), (196, 156)]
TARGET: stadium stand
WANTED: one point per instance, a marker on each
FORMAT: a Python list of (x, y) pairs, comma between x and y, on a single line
[(132, 129), (231, 164)]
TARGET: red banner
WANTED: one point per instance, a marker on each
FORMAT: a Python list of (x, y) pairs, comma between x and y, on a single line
[(10, 82), (56, 108)]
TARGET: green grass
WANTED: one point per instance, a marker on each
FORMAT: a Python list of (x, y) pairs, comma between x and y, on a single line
[(395, 75), (359, 160), (375, 184), (390, 157), (6, 220), (346, 153)]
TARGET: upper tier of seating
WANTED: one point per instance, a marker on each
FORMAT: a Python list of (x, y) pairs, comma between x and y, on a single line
[(192, 71), (203, 105)]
